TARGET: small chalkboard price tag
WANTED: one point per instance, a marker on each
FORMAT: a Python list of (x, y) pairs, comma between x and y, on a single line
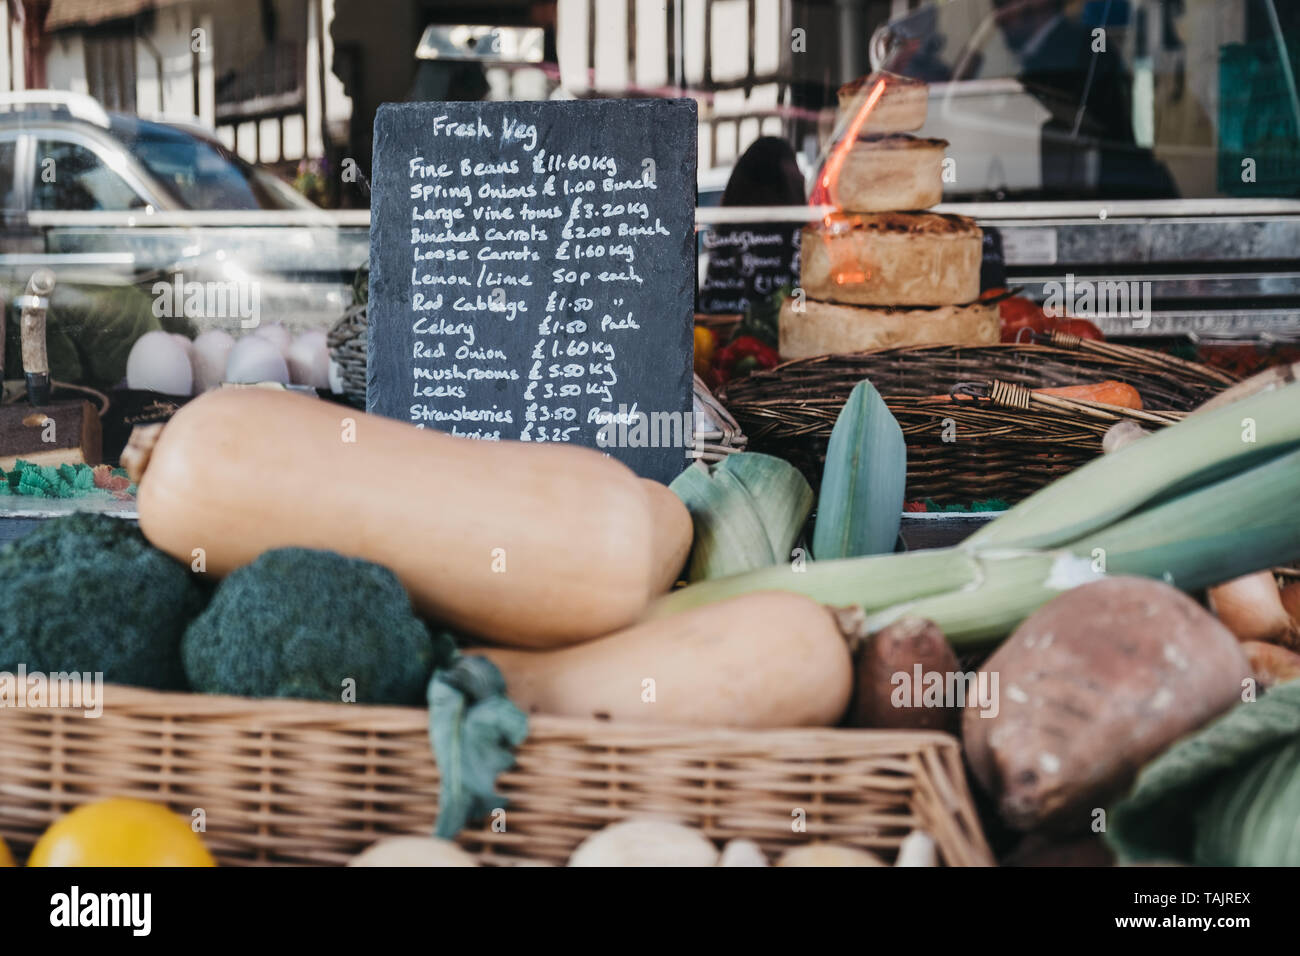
[(748, 264), (532, 273)]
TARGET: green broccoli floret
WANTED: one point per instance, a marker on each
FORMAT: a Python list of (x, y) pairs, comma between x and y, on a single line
[(89, 593), (303, 623)]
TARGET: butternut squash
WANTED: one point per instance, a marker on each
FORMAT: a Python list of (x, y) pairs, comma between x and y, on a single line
[(768, 659), (672, 533), (524, 544)]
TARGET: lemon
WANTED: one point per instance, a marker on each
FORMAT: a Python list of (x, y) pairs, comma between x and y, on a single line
[(120, 832), (6, 858)]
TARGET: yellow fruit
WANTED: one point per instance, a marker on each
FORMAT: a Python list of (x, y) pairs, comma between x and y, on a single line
[(6, 858), (706, 343), (120, 832)]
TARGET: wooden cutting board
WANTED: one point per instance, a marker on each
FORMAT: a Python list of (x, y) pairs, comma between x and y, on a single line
[(64, 434)]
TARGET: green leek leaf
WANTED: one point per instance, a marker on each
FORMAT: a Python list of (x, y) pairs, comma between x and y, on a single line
[(782, 497), (861, 502), (1228, 795), (747, 511)]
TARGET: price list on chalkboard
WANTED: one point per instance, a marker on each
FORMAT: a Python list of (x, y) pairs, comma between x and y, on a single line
[(532, 273)]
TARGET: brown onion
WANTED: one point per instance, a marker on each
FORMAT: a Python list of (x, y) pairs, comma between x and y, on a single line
[(1291, 601), (1251, 607), (1271, 664)]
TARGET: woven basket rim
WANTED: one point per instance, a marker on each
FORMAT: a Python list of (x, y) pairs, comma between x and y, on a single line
[(298, 782), (1208, 373), (1008, 444), (146, 702)]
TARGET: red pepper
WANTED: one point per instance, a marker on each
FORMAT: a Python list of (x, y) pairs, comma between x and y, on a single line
[(742, 356), (1021, 318)]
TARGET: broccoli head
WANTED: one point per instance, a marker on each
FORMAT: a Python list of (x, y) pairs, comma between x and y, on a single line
[(89, 593), (311, 624)]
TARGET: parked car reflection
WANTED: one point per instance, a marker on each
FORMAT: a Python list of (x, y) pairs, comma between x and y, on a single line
[(125, 210)]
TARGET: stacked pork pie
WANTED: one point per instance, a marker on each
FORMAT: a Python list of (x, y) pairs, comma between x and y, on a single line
[(881, 272)]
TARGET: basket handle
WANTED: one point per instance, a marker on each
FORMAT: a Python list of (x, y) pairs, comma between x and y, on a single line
[(1012, 395), (1149, 358)]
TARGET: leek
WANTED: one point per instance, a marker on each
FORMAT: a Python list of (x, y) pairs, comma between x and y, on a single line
[(1195, 504), (1177, 458), (1235, 526), (873, 582), (860, 506), (748, 510)]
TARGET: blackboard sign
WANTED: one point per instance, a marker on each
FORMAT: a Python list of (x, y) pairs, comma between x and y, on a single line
[(747, 264), (532, 272)]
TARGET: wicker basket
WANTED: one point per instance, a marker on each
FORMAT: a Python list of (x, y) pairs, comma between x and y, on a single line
[(293, 782), (1006, 446), (716, 433), (347, 345)]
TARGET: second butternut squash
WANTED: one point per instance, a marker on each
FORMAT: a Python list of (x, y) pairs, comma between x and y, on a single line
[(769, 659)]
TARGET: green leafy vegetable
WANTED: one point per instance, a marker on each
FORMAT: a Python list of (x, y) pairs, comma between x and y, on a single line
[(1250, 818), (89, 593), (64, 481), (861, 502), (474, 730), (303, 623), (748, 510), (1226, 796)]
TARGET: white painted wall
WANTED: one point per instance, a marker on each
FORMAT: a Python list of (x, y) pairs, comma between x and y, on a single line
[(315, 94), (206, 108), (571, 44), (163, 62), (338, 105), (727, 55), (19, 60), (168, 88), (65, 64), (652, 43), (611, 66), (11, 52)]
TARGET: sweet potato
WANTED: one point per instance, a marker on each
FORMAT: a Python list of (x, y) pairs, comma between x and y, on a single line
[(1094, 684), (886, 680)]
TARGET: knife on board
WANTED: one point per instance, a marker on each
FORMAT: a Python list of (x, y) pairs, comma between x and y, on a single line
[(43, 432)]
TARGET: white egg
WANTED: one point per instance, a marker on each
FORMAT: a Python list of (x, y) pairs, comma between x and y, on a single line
[(184, 342), (208, 357), (254, 359), (158, 363), (277, 333), (309, 360)]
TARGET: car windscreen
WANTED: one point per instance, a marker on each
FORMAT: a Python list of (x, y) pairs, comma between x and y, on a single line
[(200, 174)]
